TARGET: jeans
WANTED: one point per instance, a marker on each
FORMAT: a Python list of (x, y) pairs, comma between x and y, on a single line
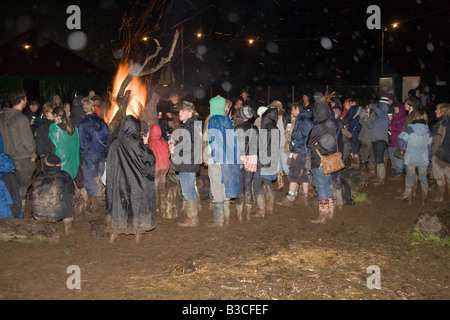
[(322, 183), (257, 185), (246, 183), (397, 163), (379, 149), (411, 175), (92, 169), (282, 161), (187, 183), (216, 184), (24, 172)]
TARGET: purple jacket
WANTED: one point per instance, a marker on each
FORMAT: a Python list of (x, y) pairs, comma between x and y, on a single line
[(397, 124)]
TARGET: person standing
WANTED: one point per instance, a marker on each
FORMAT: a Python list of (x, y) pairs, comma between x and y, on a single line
[(269, 144), (377, 120), (395, 128), (160, 149), (246, 100), (64, 135), (299, 152), (186, 159), (130, 185), (18, 140), (45, 146), (415, 143), (223, 161), (94, 135), (247, 134), (322, 139), (441, 152)]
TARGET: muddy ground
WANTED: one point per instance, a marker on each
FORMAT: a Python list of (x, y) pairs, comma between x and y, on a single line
[(280, 257)]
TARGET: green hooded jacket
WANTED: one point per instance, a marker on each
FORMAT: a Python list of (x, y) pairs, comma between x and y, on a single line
[(67, 148)]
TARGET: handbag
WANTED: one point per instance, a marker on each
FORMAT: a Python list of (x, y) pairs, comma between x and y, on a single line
[(332, 162)]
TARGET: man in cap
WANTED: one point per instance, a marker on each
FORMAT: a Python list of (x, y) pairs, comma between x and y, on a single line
[(185, 141)]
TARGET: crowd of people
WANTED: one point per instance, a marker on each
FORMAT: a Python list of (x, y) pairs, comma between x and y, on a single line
[(246, 150)]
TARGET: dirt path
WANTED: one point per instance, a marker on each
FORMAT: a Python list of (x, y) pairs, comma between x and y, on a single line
[(282, 256)]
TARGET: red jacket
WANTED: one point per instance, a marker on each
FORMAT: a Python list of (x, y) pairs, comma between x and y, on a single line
[(160, 149)]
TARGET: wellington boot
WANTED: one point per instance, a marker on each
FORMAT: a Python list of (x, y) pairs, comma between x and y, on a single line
[(218, 216), (323, 211), (138, 237), (287, 201), (280, 181), (68, 225), (113, 237), (424, 195), (406, 196), (239, 208), (248, 207), (302, 200), (330, 209), (440, 191), (191, 213), (381, 174), (372, 170), (226, 212), (261, 202), (270, 198)]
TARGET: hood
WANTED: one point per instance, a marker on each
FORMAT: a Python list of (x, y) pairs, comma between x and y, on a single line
[(130, 127), (419, 127), (269, 118), (320, 113), (401, 112), (155, 132), (6, 163), (383, 106), (9, 113), (217, 106)]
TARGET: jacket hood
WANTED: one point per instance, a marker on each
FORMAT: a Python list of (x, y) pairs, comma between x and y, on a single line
[(217, 106), (419, 127), (6, 163), (269, 118), (155, 132), (383, 106), (320, 113), (130, 127), (9, 113)]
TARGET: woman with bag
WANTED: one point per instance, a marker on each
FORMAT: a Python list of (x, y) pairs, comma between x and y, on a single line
[(247, 134), (322, 142)]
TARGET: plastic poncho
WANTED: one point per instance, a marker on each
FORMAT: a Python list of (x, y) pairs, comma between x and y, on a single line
[(67, 148)]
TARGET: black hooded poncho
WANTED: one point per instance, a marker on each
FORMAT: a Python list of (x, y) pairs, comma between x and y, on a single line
[(130, 186)]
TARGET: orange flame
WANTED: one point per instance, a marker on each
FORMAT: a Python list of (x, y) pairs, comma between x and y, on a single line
[(138, 96)]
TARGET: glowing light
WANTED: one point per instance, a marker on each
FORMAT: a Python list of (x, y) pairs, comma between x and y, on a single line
[(145, 38), (250, 41), (27, 46), (395, 25), (199, 35)]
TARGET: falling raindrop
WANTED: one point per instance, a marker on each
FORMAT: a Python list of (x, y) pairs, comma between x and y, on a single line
[(356, 58), (326, 43), (77, 40), (272, 47), (233, 17), (201, 49), (430, 46), (360, 52), (200, 93), (23, 23), (408, 48), (226, 86)]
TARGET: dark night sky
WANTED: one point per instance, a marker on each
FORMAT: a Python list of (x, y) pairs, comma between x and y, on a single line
[(296, 40)]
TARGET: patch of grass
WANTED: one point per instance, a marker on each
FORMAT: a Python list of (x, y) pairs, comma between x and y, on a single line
[(430, 238), (362, 197)]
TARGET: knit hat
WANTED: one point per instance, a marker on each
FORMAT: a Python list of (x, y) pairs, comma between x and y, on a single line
[(384, 100), (217, 106), (52, 161), (246, 113), (261, 110), (390, 96)]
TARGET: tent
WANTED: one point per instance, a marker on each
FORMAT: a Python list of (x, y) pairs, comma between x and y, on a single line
[(43, 68)]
